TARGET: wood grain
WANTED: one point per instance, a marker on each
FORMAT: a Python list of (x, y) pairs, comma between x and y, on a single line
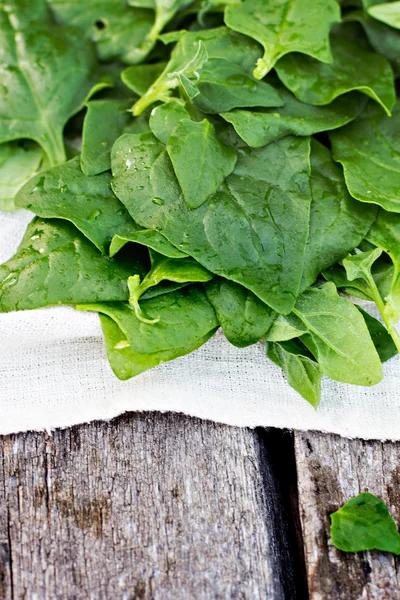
[(330, 471), (146, 507)]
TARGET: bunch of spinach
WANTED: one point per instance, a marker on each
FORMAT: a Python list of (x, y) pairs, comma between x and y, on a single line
[(238, 167)]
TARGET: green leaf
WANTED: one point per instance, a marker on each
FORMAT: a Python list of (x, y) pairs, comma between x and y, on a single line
[(165, 11), (286, 328), (338, 337), (353, 68), (218, 43), (383, 39), (201, 163), (127, 363), (139, 78), (358, 266), (65, 192), (382, 273), (302, 371), (18, 163), (223, 85), (364, 523), (382, 339), (56, 264), (150, 239), (387, 12), (242, 316), (264, 207), (263, 127), (184, 316), (47, 74), (338, 223), (165, 118), (369, 151), (385, 233), (285, 26), (183, 270), (117, 30), (105, 121)]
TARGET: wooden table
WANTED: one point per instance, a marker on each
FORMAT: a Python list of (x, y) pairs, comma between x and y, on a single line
[(166, 507)]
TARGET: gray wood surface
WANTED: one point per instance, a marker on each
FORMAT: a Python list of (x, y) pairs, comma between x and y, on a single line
[(330, 471), (148, 506)]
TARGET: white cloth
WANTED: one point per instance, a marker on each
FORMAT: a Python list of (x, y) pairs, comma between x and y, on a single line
[(54, 373)]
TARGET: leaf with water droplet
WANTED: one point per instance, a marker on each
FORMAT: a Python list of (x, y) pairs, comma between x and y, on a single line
[(88, 202), (56, 264)]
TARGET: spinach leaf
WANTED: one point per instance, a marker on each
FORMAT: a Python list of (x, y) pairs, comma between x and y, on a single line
[(105, 121), (242, 316), (165, 11), (259, 128), (359, 267), (18, 163), (117, 30), (165, 118), (189, 55), (65, 192), (139, 78), (48, 72), (364, 523), (338, 223), (383, 342), (387, 12), (183, 270), (302, 371), (369, 151), (264, 206), (285, 26), (385, 233), (383, 39), (338, 336), (286, 327), (126, 362), (56, 264), (150, 239), (185, 316), (353, 68), (223, 85), (201, 163)]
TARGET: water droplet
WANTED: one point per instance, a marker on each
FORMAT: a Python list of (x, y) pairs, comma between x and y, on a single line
[(86, 277), (121, 345), (159, 201), (104, 144), (94, 214), (35, 237), (10, 280), (140, 187), (40, 185)]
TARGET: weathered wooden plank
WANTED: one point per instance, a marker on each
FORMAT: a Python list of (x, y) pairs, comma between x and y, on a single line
[(330, 471), (148, 506)]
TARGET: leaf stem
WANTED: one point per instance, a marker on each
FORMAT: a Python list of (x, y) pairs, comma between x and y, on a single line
[(136, 289), (55, 149)]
